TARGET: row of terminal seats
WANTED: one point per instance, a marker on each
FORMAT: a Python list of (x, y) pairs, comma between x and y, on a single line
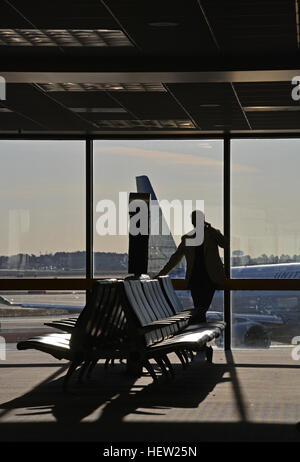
[(136, 320)]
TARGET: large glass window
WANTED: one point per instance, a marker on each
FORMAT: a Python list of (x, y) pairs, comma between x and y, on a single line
[(265, 220), (265, 231), (42, 226), (42, 231), (183, 170), (23, 314)]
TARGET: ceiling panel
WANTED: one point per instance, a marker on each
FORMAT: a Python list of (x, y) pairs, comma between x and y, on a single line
[(265, 93), (60, 28), (151, 105), (171, 26), (202, 35), (10, 18), (255, 26), (213, 106), (13, 121), (282, 120), (66, 14), (29, 101), (84, 99), (102, 116)]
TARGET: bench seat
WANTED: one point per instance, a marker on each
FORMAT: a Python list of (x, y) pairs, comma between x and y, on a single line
[(147, 306), (100, 332), (190, 339), (138, 320)]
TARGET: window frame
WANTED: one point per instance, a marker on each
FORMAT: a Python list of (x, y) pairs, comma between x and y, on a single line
[(87, 282)]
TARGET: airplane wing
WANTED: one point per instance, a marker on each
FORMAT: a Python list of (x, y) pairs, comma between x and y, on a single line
[(265, 319)]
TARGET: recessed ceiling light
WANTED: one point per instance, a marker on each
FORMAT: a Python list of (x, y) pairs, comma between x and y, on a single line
[(98, 109), (210, 105), (163, 24)]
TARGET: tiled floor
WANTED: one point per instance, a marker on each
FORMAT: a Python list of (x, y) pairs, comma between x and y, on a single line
[(247, 395)]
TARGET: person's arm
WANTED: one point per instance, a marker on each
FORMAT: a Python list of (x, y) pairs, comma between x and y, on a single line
[(218, 236), (173, 261)]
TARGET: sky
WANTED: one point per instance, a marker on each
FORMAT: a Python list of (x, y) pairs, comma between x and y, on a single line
[(43, 192)]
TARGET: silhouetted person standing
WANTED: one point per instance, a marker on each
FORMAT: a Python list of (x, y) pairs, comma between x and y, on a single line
[(205, 270)]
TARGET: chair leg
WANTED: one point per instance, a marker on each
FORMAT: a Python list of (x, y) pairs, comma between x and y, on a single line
[(169, 365), (185, 355), (72, 368), (191, 354), (150, 369), (91, 368), (134, 364), (161, 364), (182, 360), (109, 361), (82, 371), (209, 353)]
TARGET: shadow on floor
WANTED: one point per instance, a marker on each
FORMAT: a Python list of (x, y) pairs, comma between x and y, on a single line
[(115, 394), (111, 396)]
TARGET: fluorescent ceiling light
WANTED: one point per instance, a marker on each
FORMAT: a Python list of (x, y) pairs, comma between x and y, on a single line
[(129, 87), (64, 38), (272, 108), (166, 124)]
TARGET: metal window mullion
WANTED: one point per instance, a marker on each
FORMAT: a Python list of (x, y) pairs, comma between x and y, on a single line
[(89, 208), (227, 216)]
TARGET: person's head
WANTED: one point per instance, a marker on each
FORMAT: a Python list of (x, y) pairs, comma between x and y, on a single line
[(197, 217)]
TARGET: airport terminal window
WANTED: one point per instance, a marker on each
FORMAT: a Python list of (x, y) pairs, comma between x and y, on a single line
[(42, 231), (42, 226), (23, 313), (177, 170), (265, 223), (265, 234), (271, 318)]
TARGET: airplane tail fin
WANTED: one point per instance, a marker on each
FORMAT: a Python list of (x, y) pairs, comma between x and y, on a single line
[(143, 185), (4, 301), (161, 246)]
